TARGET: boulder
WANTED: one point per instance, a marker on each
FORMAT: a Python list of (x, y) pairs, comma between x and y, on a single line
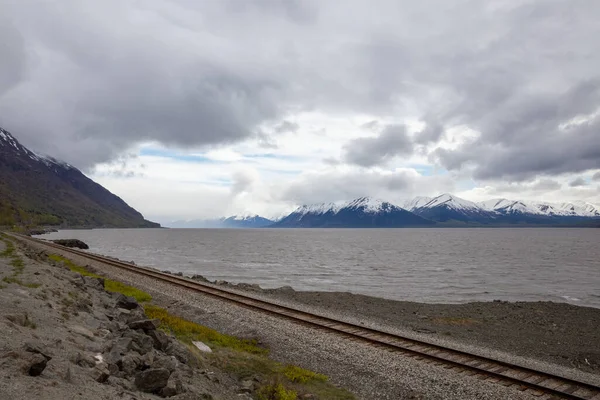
[(126, 302), (84, 360), (145, 324), (118, 349), (180, 351), (142, 343), (174, 386), (202, 347), (94, 283), (161, 340), (152, 380), (36, 348), (100, 373), (167, 362), (130, 363), (72, 243)]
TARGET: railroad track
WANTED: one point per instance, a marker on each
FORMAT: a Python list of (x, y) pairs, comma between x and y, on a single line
[(537, 383)]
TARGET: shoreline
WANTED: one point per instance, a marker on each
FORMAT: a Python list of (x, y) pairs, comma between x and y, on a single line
[(552, 332), (390, 376)]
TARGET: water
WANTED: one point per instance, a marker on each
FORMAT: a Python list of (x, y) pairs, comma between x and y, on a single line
[(428, 265)]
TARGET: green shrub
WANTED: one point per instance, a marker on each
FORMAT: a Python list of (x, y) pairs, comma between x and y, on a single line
[(276, 392), (188, 331), (301, 375)]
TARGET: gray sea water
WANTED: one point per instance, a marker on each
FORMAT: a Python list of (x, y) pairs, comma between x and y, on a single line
[(427, 265)]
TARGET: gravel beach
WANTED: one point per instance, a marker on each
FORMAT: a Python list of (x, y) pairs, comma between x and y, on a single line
[(553, 332)]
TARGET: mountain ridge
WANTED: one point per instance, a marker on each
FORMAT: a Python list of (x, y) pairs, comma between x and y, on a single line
[(41, 190)]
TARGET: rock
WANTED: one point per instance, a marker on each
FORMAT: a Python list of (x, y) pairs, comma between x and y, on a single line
[(167, 362), (180, 351), (247, 386), (148, 360), (200, 278), (130, 363), (174, 386), (152, 380), (126, 302), (161, 340), (286, 289), (142, 343), (145, 324), (100, 373), (84, 360), (18, 318), (118, 349), (94, 283), (36, 348), (36, 364), (202, 347), (72, 243), (82, 331)]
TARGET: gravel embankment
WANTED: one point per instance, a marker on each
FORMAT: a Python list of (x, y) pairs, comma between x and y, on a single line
[(368, 372), (62, 336)]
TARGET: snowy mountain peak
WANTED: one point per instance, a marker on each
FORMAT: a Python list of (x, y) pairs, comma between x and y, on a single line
[(243, 217), (573, 209), (415, 203), (451, 201), (321, 208), (368, 204), (11, 144)]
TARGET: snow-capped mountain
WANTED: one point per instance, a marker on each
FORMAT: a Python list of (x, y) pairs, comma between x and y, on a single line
[(246, 221), (417, 202), (520, 207), (235, 221), (450, 208), (364, 212)]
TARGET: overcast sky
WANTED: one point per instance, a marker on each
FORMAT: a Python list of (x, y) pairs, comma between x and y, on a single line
[(191, 109)]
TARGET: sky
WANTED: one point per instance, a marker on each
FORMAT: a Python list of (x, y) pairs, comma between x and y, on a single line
[(198, 109)]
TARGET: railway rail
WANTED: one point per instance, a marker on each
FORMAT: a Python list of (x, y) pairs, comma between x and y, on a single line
[(538, 383)]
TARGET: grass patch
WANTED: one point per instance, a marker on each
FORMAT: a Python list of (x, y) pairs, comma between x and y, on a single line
[(72, 266), (273, 375), (109, 284), (301, 375), (188, 331), (276, 392), (119, 287), (16, 262)]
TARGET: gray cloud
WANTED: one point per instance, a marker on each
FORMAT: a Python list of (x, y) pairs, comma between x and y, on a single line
[(596, 176), (578, 182), (342, 185), (522, 74), (242, 182), (287, 126), (393, 141)]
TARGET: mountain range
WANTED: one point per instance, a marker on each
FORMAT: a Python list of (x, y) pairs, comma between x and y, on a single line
[(41, 190), (443, 210), (235, 221)]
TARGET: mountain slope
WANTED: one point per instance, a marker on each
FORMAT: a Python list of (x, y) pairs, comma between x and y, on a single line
[(518, 211), (41, 190), (235, 221), (448, 208), (363, 212), (246, 221)]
